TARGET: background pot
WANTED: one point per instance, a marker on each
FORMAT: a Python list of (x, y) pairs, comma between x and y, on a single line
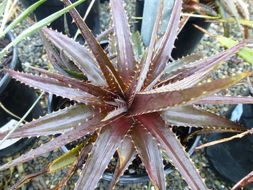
[(52, 6), (55, 103), (187, 39), (234, 159), (17, 98)]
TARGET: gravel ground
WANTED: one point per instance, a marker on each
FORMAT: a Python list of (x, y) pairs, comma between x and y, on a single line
[(32, 53)]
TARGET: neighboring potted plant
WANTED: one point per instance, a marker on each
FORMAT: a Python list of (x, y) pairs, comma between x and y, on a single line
[(190, 34), (126, 103), (233, 159)]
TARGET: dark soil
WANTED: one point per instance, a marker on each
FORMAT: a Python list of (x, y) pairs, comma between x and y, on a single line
[(7, 59)]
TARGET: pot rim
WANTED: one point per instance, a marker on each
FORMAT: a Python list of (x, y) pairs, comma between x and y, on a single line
[(13, 65)]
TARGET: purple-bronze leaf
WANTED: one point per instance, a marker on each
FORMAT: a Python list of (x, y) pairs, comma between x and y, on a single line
[(56, 58), (90, 88), (107, 143), (179, 65), (169, 142), (212, 99), (190, 116), (211, 61), (57, 87), (150, 155), (174, 69), (80, 56), (187, 82), (151, 49), (134, 82), (163, 52), (58, 122), (112, 77), (126, 154), (126, 62), (82, 129), (164, 100), (196, 71)]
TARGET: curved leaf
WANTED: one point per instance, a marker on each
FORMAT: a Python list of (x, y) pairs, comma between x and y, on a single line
[(70, 157), (179, 65), (80, 56), (60, 62)]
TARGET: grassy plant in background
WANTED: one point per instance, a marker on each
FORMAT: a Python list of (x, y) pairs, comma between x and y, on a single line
[(37, 26), (128, 102), (225, 11), (8, 12), (245, 53)]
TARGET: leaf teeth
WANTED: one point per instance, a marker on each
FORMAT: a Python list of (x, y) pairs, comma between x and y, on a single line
[(81, 96)]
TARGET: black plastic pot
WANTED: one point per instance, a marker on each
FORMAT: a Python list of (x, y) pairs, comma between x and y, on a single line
[(52, 6), (55, 103), (233, 160), (189, 37), (17, 98)]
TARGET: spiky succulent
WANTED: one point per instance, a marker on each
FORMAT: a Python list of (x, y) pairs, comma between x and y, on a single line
[(128, 103)]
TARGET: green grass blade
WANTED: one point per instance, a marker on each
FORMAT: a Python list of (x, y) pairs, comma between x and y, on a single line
[(66, 159), (2, 7), (21, 120), (36, 27), (245, 53), (22, 16)]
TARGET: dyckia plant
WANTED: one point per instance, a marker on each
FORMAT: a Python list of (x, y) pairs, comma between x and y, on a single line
[(127, 103)]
